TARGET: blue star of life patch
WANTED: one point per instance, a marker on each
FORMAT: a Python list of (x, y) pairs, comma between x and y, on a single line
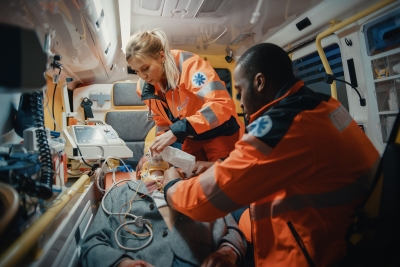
[(199, 78), (260, 126)]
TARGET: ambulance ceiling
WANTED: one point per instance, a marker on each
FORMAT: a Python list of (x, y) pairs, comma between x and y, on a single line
[(89, 34), (200, 26), (210, 26)]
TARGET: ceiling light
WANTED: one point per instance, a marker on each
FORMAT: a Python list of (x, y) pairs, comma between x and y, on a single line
[(211, 6), (241, 38), (214, 8)]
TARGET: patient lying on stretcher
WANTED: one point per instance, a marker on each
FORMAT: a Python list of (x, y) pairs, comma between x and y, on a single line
[(159, 236)]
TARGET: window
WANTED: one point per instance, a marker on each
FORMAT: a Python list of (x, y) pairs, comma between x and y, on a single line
[(310, 69)]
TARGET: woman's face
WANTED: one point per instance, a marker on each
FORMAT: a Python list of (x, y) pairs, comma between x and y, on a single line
[(150, 70)]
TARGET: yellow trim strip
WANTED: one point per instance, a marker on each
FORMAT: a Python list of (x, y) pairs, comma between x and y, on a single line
[(338, 26), (24, 244), (150, 137)]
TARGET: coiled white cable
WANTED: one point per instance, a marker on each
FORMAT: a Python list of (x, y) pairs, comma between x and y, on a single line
[(136, 224), (137, 220)]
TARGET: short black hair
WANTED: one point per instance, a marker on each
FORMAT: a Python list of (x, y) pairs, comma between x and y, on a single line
[(270, 60)]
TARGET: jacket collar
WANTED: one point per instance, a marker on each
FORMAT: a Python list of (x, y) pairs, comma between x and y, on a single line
[(169, 87), (290, 88), (153, 95)]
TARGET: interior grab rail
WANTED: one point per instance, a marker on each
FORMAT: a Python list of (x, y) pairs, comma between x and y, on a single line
[(339, 26)]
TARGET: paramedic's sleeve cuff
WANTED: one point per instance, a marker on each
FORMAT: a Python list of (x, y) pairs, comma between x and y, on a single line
[(168, 185), (182, 129), (239, 258)]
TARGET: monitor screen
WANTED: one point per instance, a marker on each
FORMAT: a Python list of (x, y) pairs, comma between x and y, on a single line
[(89, 135)]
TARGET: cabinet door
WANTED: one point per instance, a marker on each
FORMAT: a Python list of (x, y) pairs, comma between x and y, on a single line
[(382, 37), (387, 93)]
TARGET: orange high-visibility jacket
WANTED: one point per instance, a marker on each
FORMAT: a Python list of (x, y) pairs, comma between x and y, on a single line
[(201, 101), (303, 167)]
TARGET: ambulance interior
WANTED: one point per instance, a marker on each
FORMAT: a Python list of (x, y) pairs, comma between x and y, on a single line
[(69, 98)]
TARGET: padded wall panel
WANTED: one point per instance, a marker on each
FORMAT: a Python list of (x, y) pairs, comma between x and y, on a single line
[(130, 125), (124, 94)]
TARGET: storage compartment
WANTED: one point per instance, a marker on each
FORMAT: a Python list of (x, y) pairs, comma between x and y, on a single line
[(382, 37), (387, 93), (383, 34), (387, 66), (386, 125)]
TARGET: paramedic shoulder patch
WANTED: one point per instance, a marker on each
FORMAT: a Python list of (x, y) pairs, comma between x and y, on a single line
[(199, 79), (340, 118), (260, 127)]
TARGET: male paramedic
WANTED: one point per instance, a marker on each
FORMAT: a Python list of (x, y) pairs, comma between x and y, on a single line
[(303, 167)]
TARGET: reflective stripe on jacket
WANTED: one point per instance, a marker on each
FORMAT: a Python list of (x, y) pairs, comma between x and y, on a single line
[(303, 167), (204, 106)]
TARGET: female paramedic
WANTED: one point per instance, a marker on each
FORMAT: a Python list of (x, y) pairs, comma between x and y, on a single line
[(186, 98)]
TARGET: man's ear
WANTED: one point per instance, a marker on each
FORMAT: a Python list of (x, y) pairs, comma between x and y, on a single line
[(259, 82)]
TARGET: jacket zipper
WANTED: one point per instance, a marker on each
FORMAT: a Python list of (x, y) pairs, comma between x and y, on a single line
[(301, 244)]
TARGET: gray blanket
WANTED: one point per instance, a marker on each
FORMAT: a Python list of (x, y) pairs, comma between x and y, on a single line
[(189, 240)]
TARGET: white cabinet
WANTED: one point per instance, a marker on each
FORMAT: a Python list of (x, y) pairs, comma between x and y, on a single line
[(382, 37), (385, 69)]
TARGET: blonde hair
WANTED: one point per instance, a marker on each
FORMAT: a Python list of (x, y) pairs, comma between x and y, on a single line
[(148, 44)]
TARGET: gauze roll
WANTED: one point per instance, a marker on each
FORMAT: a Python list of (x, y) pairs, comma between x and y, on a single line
[(179, 159)]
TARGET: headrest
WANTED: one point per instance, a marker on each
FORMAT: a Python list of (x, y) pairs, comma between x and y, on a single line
[(124, 94)]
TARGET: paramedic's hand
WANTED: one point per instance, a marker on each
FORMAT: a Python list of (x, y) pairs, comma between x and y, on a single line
[(225, 256), (202, 166), (162, 141), (171, 174), (134, 263)]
